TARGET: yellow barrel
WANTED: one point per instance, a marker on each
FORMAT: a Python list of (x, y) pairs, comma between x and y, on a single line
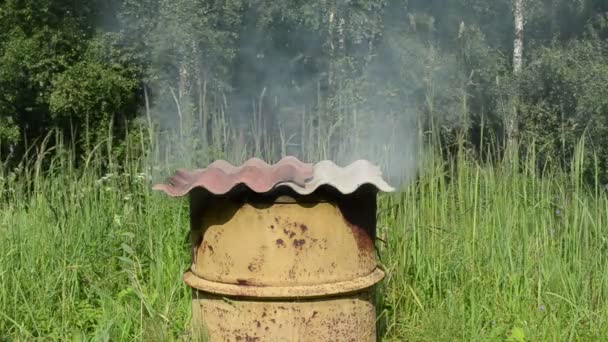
[(344, 318), (288, 268)]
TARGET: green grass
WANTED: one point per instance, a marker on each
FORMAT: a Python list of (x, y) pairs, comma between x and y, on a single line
[(495, 249), (473, 251)]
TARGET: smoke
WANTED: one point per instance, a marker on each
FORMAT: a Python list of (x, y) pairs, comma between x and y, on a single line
[(236, 83)]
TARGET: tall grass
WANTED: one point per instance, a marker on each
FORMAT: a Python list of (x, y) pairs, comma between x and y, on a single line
[(494, 252), (474, 251)]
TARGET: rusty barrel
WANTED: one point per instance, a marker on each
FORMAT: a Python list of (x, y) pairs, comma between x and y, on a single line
[(282, 252), (281, 266)]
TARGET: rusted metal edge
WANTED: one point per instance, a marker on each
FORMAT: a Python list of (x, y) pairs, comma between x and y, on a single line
[(282, 292)]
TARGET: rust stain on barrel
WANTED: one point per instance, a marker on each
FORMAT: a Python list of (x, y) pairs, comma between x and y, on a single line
[(364, 241), (289, 233), (298, 243)]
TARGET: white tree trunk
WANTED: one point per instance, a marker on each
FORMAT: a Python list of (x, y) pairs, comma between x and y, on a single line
[(332, 46), (518, 62), (184, 80), (518, 46), (341, 39)]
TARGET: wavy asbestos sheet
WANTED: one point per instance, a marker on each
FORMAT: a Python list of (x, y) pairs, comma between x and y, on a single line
[(344, 179), (220, 177)]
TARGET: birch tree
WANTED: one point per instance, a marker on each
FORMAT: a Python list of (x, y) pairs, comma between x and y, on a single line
[(518, 53), (518, 45)]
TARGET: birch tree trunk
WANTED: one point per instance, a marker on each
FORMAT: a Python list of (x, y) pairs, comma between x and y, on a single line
[(518, 61), (518, 46), (332, 46), (184, 80)]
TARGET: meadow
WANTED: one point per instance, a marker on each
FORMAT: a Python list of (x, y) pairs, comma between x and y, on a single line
[(102, 99), (501, 250)]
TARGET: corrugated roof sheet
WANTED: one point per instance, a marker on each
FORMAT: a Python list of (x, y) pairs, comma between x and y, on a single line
[(344, 179), (220, 177)]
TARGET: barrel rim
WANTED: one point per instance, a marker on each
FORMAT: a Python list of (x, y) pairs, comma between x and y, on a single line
[(298, 291)]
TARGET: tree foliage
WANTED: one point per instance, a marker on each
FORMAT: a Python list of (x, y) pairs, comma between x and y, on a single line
[(48, 71), (66, 64)]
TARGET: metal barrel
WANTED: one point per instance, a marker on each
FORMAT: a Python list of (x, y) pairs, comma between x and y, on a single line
[(292, 268)]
